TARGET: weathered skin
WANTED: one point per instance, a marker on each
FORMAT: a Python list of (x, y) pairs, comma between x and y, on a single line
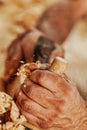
[(51, 102), (56, 26), (22, 49)]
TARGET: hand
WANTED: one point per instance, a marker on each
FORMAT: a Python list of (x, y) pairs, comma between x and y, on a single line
[(51, 102), (22, 49)]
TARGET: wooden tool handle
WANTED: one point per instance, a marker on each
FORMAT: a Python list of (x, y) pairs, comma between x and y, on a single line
[(58, 66)]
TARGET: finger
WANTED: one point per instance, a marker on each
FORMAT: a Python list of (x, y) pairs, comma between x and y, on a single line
[(57, 52), (30, 117), (46, 79), (34, 66), (35, 92), (53, 82), (14, 56), (36, 121), (45, 66), (28, 48), (31, 106), (17, 92), (28, 44)]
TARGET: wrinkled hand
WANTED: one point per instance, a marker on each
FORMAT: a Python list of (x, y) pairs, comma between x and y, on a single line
[(51, 102), (22, 49)]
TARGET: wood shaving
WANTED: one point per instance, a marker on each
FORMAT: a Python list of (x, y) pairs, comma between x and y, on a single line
[(6, 102)]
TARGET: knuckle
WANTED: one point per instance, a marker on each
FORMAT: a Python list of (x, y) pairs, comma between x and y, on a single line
[(51, 116), (30, 93), (48, 121), (43, 124), (39, 76), (24, 105), (17, 93), (28, 89)]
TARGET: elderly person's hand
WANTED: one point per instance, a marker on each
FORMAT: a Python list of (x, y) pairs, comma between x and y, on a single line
[(51, 102), (23, 50)]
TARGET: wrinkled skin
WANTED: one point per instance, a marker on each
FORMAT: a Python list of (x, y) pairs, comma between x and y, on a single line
[(22, 49), (56, 26), (51, 102)]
